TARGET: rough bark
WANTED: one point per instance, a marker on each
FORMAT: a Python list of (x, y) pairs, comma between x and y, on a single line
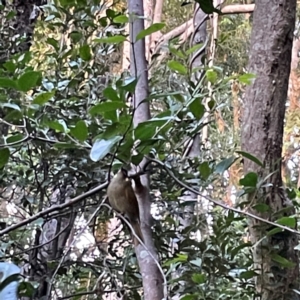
[(262, 131)]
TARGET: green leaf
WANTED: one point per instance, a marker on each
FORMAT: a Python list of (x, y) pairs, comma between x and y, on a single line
[(121, 19), (248, 275), (179, 258), (7, 83), (211, 104), (102, 147), (197, 108), (65, 146), (225, 164), (208, 7), (197, 262), (250, 179), (177, 66), (136, 159), (110, 13), (80, 131), (27, 289), (246, 78), (4, 283), (58, 126), (199, 278), (28, 80), (105, 107), (112, 130), (237, 249), (211, 75), (145, 131), (129, 84), (12, 106), (111, 94), (282, 261), (75, 36), (261, 207), (4, 156), (188, 297), (10, 66), (205, 170), (85, 52), (151, 29), (53, 42), (43, 98), (250, 157), (116, 39), (274, 231), (193, 48), (14, 138), (177, 53), (287, 221)]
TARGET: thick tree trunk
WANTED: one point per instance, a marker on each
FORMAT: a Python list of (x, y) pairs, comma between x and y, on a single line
[(262, 131)]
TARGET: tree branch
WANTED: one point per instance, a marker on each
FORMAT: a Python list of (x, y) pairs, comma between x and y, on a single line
[(229, 9)]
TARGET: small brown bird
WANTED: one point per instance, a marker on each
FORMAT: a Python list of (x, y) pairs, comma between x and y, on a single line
[(122, 199)]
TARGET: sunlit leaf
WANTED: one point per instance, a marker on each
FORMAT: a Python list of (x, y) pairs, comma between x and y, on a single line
[(287, 221), (199, 278), (43, 98), (151, 29), (211, 75), (102, 147), (247, 78), (121, 19), (177, 66), (11, 105), (116, 39), (9, 279)]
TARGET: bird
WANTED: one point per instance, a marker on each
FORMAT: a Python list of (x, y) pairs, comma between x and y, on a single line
[(122, 199)]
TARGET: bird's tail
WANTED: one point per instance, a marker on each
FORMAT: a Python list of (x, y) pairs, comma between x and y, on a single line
[(137, 230)]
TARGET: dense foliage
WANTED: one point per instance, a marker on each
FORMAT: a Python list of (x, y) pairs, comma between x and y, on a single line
[(64, 113)]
